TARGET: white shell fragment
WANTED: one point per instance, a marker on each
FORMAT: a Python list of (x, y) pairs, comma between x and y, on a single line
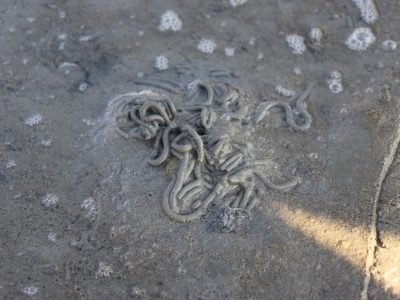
[(235, 3), (89, 205), (104, 271), (284, 91), (34, 120), (297, 71), (52, 237), (30, 290), (83, 87), (229, 52), (49, 200), (10, 164)]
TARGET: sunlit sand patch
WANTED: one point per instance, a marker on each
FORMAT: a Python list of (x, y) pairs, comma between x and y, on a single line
[(345, 241), (348, 242), (387, 265)]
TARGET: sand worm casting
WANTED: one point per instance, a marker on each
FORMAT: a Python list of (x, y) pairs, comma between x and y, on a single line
[(214, 167)]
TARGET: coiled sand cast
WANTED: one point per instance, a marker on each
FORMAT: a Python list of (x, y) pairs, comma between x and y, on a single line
[(213, 167)]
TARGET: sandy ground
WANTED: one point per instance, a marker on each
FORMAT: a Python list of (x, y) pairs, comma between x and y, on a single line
[(81, 214)]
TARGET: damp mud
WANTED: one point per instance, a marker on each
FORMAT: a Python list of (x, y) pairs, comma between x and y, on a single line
[(201, 150)]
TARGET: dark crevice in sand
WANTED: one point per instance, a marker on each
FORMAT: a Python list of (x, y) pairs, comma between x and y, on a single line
[(373, 239)]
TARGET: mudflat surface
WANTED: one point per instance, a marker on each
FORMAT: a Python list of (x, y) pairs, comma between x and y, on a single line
[(81, 213)]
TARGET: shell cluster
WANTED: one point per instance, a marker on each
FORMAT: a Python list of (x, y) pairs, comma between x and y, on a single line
[(296, 42), (161, 63), (361, 39), (368, 10), (170, 21), (206, 46), (335, 84)]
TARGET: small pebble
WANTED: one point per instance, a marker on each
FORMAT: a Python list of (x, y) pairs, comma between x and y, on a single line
[(62, 36), (252, 41), (88, 122), (230, 52), (136, 292), (297, 71)]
